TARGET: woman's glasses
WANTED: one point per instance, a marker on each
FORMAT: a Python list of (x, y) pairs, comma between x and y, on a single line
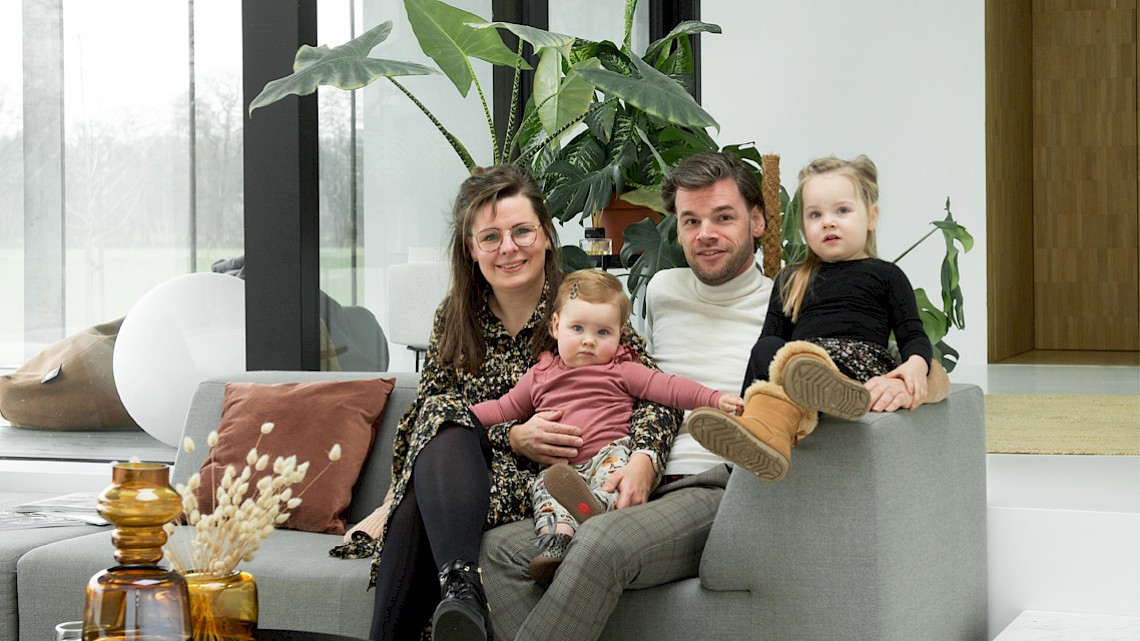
[(522, 235)]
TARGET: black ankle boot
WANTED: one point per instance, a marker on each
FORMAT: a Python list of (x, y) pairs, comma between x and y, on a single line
[(462, 613)]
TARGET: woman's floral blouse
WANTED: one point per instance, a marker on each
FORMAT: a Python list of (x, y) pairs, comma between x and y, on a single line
[(445, 393)]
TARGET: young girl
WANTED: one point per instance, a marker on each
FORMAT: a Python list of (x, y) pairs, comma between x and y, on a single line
[(826, 333), (595, 382)]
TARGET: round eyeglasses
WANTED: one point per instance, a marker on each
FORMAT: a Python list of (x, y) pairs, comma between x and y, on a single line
[(522, 235)]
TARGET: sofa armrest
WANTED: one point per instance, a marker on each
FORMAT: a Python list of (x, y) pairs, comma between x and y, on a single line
[(878, 531)]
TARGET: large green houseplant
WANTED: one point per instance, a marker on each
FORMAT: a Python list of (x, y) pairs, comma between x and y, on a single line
[(601, 122)]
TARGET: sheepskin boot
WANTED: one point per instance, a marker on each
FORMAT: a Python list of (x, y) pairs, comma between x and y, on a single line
[(761, 440), (812, 380)]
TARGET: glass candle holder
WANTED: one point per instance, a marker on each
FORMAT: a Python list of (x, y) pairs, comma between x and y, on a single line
[(597, 246), (69, 631)]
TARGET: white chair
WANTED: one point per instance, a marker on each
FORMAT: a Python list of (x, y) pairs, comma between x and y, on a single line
[(415, 289)]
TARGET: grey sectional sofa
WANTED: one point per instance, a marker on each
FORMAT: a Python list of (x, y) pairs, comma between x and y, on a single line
[(878, 533)]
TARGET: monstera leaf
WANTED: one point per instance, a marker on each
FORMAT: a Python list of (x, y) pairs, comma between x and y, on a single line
[(580, 189), (445, 35), (951, 289), (572, 258), (658, 248), (345, 67), (952, 232), (936, 324)]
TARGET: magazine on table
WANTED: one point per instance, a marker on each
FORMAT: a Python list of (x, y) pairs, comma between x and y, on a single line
[(78, 508), (10, 520)]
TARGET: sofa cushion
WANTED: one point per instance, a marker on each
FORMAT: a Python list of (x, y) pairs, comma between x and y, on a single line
[(13, 545), (309, 419)]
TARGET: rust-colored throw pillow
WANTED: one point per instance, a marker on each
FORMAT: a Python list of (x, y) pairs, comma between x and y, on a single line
[(309, 418)]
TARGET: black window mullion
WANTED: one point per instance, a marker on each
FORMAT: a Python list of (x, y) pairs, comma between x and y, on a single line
[(534, 13), (666, 14), (282, 224)]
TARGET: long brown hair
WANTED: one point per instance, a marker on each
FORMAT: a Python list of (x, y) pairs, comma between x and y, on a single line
[(462, 344), (865, 176)]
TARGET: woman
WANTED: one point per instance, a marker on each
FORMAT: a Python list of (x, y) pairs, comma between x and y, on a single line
[(486, 334)]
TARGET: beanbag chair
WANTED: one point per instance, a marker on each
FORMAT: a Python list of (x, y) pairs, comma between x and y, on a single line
[(68, 386)]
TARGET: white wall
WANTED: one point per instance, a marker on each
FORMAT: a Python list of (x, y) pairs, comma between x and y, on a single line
[(898, 80), (411, 174)]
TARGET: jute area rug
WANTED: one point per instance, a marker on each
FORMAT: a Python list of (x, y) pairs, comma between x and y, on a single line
[(1063, 424)]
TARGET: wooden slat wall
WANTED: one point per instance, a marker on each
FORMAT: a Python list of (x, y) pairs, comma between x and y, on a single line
[(1009, 177), (1085, 166)]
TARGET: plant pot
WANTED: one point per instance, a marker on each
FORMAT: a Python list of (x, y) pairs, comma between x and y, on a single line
[(222, 608), (618, 215)]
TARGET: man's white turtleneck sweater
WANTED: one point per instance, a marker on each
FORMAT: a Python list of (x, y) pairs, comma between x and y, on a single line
[(704, 333)]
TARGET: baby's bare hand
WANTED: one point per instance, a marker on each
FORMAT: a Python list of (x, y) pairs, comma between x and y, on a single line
[(731, 403)]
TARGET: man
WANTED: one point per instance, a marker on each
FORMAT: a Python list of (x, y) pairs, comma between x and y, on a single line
[(723, 295)]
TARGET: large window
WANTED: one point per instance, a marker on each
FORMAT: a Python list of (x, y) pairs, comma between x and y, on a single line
[(12, 186), (121, 158)]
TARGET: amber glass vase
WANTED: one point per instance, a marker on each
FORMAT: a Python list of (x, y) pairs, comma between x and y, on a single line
[(222, 608), (138, 600)]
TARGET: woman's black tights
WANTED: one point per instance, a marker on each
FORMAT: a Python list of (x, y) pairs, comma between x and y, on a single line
[(439, 520)]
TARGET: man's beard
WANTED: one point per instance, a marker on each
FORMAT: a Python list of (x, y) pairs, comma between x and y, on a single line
[(735, 265)]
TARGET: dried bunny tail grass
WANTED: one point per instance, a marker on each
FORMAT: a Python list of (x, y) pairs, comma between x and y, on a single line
[(243, 513), (334, 455)]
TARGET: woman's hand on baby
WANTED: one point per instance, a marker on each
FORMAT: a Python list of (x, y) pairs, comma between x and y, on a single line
[(545, 441), (633, 481), (731, 404)]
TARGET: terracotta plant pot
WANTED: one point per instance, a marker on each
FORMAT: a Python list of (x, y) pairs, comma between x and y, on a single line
[(618, 215)]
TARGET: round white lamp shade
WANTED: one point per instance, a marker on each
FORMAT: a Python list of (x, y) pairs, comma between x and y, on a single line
[(177, 335)]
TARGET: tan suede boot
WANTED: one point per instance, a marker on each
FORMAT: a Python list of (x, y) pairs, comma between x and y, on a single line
[(811, 379), (761, 440)]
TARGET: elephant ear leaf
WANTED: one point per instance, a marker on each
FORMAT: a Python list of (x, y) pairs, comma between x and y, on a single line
[(445, 34), (344, 67), (561, 102), (655, 94), (538, 38)]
